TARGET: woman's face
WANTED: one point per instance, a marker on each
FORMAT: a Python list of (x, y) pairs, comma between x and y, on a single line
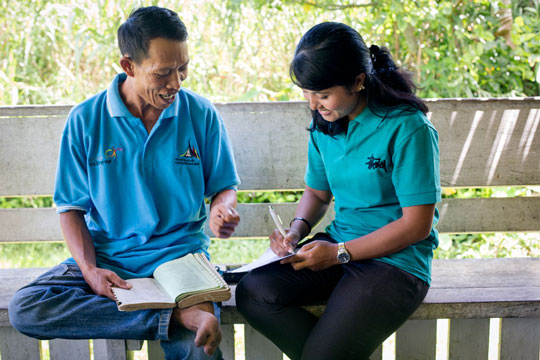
[(335, 102)]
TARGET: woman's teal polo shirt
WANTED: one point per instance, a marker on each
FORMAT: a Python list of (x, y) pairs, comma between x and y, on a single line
[(143, 194), (381, 164)]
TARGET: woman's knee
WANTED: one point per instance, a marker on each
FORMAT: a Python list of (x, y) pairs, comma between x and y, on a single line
[(256, 287)]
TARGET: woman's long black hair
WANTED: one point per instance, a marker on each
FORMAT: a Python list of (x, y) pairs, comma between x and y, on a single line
[(334, 54)]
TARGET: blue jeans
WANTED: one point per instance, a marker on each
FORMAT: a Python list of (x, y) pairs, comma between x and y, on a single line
[(60, 304)]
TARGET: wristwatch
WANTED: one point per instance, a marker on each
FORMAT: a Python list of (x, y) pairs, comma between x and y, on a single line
[(343, 255)]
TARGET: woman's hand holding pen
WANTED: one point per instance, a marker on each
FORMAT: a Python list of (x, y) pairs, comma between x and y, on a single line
[(284, 245), (316, 255)]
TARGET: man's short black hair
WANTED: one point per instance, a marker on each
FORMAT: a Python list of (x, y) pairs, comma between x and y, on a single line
[(145, 24)]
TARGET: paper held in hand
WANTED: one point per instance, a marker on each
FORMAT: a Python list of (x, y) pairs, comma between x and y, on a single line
[(266, 258), (183, 282)]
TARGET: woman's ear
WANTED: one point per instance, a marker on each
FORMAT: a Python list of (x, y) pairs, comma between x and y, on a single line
[(359, 82), (127, 65)]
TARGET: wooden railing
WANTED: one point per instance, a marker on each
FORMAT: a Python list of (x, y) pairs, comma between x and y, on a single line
[(487, 142)]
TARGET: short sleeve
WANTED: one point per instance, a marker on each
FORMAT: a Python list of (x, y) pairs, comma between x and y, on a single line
[(315, 176), (219, 167), (416, 174), (71, 190)]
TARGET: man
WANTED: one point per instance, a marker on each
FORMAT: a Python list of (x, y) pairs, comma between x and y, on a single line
[(136, 163)]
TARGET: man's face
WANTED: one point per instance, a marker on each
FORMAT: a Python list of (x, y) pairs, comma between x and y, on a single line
[(158, 78)]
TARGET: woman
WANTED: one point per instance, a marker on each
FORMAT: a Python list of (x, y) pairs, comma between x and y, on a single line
[(373, 150)]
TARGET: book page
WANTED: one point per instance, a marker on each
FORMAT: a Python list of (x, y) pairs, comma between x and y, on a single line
[(184, 275), (266, 258), (143, 291)]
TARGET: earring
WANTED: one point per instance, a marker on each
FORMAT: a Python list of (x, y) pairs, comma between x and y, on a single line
[(361, 87)]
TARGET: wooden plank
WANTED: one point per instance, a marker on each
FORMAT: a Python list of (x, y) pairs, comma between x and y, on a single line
[(488, 142), (520, 214), (259, 347), (227, 341), (35, 111), (62, 349), (155, 351), (29, 154), (466, 288), (134, 345), (16, 346), (377, 355), (483, 142), (416, 339), (469, 339), (486, 273), (109, 349), (520, 339)]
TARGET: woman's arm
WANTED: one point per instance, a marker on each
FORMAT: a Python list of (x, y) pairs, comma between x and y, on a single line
[(413, 226)]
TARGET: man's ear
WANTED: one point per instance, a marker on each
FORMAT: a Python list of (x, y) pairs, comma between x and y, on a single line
[(127, 65)]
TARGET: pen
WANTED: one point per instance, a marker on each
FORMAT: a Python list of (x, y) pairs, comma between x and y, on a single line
[(277, 220), (278, 223)]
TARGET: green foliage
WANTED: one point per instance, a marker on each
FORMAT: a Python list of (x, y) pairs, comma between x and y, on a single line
[(269, 196), (463, 246), (65, 51), (236, 251), (26, 202), (32, 254)]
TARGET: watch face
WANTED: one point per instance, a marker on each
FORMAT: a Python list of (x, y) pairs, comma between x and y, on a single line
[(344, 257)]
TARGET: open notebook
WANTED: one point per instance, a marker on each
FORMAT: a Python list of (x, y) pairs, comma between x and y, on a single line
[(183, 282)]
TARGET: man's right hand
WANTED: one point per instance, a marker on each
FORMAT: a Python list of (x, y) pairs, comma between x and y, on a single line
[(102, 280), (284, 245)]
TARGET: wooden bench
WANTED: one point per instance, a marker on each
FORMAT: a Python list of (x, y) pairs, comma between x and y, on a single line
[(483, 142)]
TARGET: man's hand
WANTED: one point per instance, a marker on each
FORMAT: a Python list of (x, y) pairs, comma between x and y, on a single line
[(101, 281), (201, 320), (223, 220), (316, 255)]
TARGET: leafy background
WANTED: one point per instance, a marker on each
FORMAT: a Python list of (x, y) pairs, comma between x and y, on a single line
[(61, 52), (64, 51)]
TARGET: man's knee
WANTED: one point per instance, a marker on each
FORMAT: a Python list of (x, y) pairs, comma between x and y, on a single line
[(23, 311)]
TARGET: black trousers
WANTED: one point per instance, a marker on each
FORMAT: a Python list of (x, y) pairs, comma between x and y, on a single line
[(367, 302)]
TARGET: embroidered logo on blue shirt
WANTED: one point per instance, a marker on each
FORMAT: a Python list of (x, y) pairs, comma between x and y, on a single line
[(189, 157), (110, 155), (374, 163)]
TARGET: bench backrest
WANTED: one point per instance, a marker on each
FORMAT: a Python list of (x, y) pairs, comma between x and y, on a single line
[(490, 142)]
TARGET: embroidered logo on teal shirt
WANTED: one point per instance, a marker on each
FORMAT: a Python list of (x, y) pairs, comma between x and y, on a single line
[(374, 163)]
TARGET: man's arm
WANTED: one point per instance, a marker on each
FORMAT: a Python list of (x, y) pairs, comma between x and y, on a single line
[(223, 215), (81, 247)]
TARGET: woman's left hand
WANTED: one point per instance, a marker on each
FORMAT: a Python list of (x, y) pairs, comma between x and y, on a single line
[(316, 255)]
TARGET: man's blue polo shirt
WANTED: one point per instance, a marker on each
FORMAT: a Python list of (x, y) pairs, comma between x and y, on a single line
[(143, 194), (382, 163)]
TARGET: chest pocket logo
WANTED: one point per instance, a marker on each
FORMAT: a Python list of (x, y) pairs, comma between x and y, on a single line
[(110, 155), (189, 157), (374, 163)]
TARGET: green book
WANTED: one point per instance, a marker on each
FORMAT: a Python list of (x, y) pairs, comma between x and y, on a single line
[(183, 282)]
